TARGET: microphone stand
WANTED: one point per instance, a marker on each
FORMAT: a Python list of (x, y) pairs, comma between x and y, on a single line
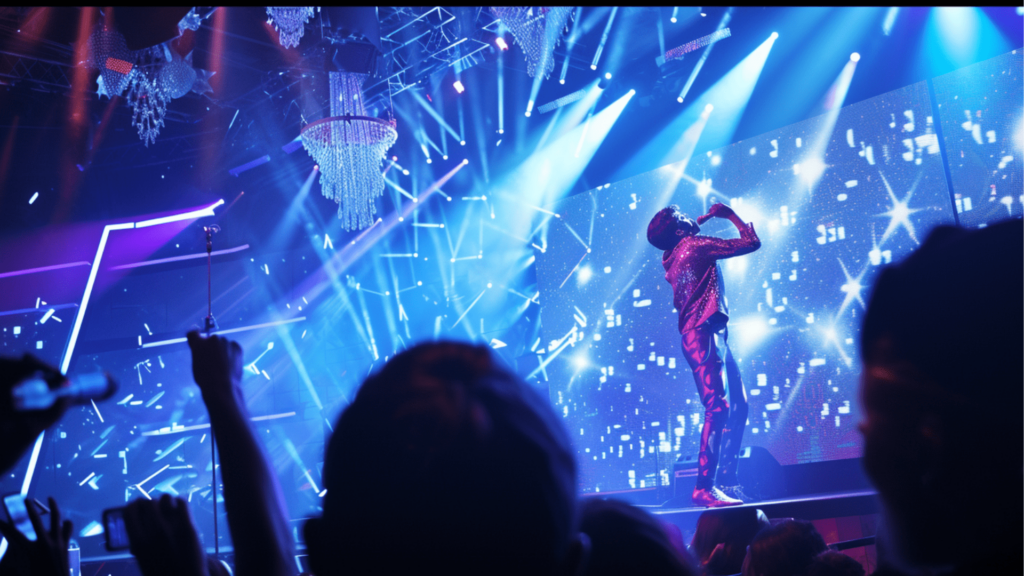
[(210, 325)]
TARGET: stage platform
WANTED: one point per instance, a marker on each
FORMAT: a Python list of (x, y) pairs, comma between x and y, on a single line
[(847, 520), (808, 507)]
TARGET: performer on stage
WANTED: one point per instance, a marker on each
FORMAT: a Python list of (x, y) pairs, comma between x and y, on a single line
[(691, 267)]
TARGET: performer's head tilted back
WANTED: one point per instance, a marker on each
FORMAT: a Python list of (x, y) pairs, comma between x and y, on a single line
[(669, 226)]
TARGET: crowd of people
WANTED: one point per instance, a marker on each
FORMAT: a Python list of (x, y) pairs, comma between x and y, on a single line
[(479, 475)]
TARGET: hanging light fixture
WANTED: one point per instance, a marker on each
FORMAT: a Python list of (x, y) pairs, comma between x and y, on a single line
[(537, 30), (290, 22), (349, 147), (109, 53)]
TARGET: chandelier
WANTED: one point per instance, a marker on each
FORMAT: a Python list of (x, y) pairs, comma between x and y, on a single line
[(537, 30), (290, 22), (152, 76), (108, 52), (177, 76), (147, 97), (349, 147)]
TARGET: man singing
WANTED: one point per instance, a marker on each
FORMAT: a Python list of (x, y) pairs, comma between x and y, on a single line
[(691, 267)]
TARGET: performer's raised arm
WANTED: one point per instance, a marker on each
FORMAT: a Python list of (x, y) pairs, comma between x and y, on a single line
[(719, 248)]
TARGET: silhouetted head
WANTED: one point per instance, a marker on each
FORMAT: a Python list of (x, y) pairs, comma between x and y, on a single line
[(669, 226), (733, 528), (942, 391), (446, 462), (627, 540), (784, 549)]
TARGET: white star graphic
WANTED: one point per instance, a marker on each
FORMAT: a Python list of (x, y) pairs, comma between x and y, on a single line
[(852, 288), (900, 213)]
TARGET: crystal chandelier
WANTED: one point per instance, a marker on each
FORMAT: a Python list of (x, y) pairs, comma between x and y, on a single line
[(109, 52), (537, 30), (146, 95), (149, 106), (349, 147), (177, 76), (152, 76), (290, 22)]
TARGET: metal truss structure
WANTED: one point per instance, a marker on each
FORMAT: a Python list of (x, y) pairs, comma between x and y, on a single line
[(418, 42)]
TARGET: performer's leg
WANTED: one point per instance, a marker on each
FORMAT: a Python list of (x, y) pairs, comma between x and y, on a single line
[(732, 435), (706, 362)]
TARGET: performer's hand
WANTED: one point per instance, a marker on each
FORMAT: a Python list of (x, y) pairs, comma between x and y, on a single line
[(719, 210)]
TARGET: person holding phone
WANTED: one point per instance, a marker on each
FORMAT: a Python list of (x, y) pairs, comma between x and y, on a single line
[(691, 267), (20, 428)]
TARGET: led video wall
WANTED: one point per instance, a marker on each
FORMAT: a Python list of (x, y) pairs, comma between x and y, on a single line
[(982, 112), (833, 199)]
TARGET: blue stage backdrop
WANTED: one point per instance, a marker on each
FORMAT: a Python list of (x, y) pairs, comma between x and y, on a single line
[(833, 198), (983, 130)]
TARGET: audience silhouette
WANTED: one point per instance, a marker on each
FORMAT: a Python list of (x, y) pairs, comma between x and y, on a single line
[(446, 462), (720, 541), (625, 539), (942, 394), (783, 549)]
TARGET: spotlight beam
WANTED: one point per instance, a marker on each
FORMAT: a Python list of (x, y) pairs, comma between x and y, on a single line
[(430, 110), (707, 52), (728, 98), (501, 92), (354, 250), (604, 38), (570, 43), (833, 104)]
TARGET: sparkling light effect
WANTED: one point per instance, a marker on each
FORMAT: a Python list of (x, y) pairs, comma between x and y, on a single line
[(811, 170), (852, 288), (584, 275), (900, 213)]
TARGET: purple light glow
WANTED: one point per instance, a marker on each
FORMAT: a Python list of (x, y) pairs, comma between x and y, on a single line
[(179, 258)]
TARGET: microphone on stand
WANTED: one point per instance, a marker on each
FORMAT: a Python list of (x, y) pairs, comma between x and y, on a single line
[(209, 324), (210, 231)]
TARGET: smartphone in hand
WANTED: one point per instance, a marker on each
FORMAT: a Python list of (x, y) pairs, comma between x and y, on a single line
[(17, 511), (114, 530)]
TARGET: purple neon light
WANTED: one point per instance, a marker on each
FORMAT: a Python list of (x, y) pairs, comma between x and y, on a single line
[(41, 269), (179, 258)]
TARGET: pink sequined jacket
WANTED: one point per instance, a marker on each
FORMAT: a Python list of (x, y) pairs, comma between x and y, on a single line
[(696, 278)]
